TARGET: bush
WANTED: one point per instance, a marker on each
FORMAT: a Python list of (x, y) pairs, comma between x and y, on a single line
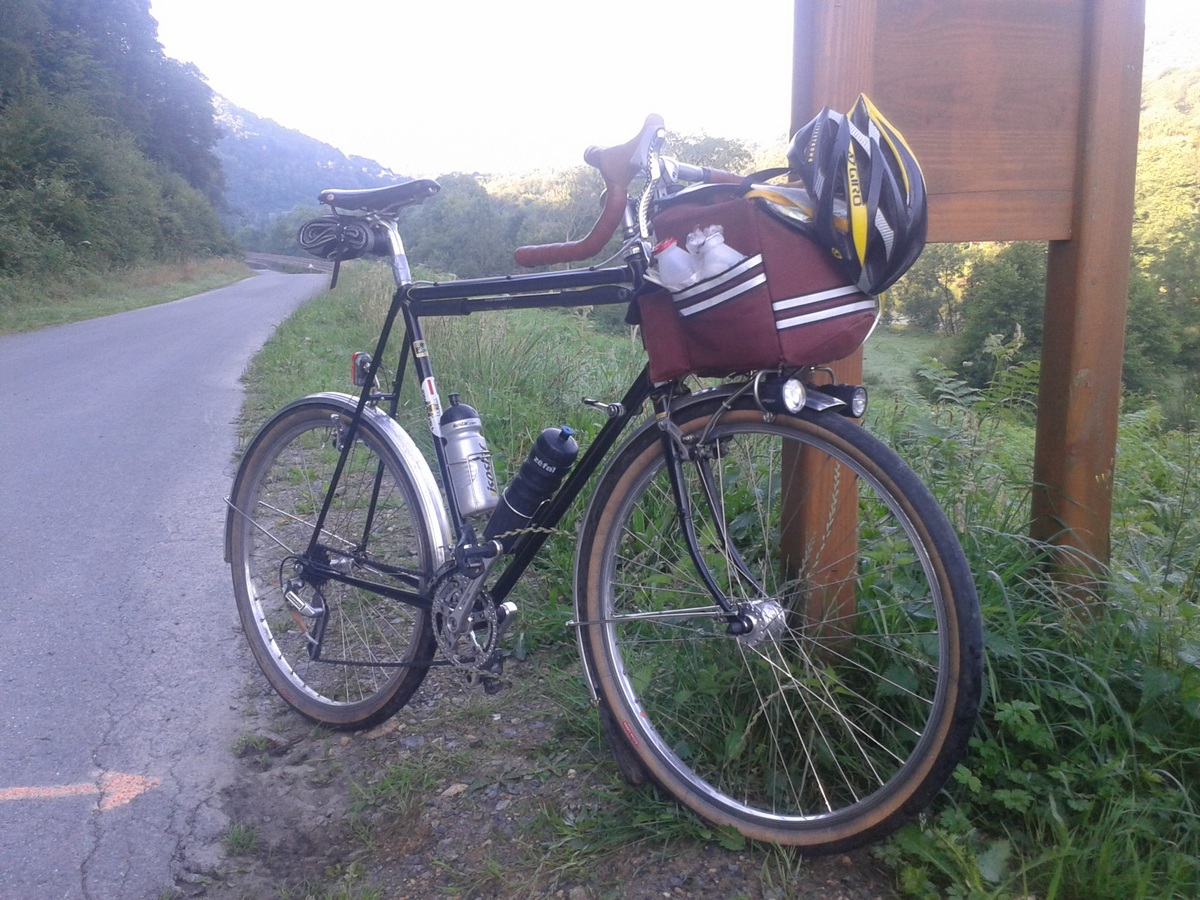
[(1081, 780), (74, 191)]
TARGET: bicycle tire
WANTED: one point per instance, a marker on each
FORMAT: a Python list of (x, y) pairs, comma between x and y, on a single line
[(375, 651), (850, 712)]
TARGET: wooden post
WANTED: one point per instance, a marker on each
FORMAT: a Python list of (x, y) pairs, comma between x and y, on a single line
[(1086, 290), (821, 547)]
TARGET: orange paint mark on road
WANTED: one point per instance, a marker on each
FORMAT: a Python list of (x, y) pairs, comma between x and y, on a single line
[(114, 789), (48, 793), (117, 788)]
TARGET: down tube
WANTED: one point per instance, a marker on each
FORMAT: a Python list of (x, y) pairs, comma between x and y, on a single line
[(551, 514)]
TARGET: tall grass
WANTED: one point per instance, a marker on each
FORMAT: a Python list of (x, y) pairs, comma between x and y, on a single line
[(27, 304), (1082, 779), (523, 371), (1083, 775)]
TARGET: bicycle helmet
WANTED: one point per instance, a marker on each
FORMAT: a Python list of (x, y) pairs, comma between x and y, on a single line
[(866, 194)]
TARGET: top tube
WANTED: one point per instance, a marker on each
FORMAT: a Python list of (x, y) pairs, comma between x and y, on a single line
[(570, 288)]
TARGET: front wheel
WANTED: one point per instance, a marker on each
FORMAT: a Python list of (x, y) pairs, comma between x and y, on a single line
[(849, 702), (344, 656)]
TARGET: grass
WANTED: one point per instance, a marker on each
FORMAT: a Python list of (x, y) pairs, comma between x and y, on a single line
[(29, 306), (1083, 777), (250, 745), (892, 357), (241, 840)]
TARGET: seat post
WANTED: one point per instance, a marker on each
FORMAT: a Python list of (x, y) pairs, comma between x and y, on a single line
[(400, 270)]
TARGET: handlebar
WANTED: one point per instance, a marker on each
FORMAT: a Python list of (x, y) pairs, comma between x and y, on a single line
[(619, 165)]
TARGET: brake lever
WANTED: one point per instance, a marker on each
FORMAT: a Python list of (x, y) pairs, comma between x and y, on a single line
[(656, 184)]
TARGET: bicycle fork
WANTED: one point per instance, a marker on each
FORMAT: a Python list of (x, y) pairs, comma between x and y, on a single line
[(679, 449)]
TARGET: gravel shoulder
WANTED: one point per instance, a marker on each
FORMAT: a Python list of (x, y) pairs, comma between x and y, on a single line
[(465, 794)]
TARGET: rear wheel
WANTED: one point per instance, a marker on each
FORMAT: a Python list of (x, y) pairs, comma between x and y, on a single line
[(850, 701), (374, 651)]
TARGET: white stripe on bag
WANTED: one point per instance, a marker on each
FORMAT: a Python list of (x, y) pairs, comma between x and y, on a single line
[(822, 315), (717, 280), (733, 292), (808, 299)]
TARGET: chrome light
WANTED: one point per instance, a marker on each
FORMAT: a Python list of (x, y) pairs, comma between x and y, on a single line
[(793, 395), (853, 395), (776, 394)]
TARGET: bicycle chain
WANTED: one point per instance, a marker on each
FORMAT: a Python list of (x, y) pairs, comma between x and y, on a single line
[(532, 529)]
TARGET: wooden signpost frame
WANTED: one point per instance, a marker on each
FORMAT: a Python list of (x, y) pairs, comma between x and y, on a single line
[(1024, 114)]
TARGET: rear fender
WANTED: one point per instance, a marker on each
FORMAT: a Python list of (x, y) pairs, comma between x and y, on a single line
[(429, 499)]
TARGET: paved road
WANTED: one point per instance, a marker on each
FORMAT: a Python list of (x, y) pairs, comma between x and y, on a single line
[(120, 650)]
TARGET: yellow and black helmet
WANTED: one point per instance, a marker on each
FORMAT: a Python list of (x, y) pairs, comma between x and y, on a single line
[(866, 194)]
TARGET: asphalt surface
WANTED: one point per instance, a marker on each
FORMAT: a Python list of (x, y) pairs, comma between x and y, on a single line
[(119, 673)]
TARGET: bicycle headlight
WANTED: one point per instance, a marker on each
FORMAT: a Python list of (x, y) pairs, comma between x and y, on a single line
[(792, 394), (775, 394), (853, 395)]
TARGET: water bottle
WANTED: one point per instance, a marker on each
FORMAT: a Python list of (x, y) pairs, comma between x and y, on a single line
[(717, 256), (468, 460), (539, 477), (675, 267)]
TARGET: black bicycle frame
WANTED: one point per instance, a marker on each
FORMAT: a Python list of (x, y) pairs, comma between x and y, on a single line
[(585, 287)]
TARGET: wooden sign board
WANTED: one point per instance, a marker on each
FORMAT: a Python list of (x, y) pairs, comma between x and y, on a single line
[(987, 93)]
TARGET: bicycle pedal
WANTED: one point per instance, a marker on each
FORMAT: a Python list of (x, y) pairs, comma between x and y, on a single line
[(506, 614), (492, 676)]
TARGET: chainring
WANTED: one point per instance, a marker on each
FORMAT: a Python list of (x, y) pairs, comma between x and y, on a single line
[(476, 646)]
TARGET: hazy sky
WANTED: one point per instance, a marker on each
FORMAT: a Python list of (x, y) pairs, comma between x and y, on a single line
[(432, 86)]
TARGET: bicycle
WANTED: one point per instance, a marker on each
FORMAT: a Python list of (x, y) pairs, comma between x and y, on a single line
[(805, 681)]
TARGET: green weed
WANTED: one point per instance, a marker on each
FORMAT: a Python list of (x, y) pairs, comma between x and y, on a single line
[(1081, 777), (241, 840)]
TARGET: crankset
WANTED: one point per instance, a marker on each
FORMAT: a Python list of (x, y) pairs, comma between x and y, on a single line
[(468, 628)]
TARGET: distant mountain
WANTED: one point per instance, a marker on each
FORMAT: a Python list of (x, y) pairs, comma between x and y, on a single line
[(270, 169)]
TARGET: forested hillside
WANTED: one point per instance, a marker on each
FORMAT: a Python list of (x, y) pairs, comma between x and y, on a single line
[(270, 169), (106, 144)]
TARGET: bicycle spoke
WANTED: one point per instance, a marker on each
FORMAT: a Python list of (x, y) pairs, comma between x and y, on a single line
[(289, 601)]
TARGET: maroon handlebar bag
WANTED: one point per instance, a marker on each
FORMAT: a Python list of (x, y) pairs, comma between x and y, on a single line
[(785, 305)]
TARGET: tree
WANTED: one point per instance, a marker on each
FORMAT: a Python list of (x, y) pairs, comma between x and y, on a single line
[(1152, 339), (463, 229), (1003, 292), (20, 21), (107, 53), (183, 131), (729, 154), (929, 296), (103, 141)]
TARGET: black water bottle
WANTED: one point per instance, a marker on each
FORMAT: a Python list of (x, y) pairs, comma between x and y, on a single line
[(539, 477)]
